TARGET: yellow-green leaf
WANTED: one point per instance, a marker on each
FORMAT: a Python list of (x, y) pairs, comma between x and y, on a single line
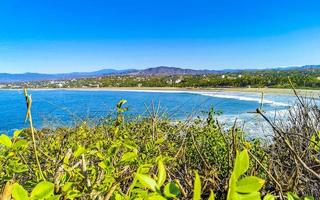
[(80, 150), (156, 196), (309, 198), (42, 190), (197, 187), (162, 174), (249, 184), (129, 156), (147, 182), (212, 196), (292, 196), (269, 197), (17, 133), (5, 140), (19, 193), (20, 144), (241, 164), (251, 196)]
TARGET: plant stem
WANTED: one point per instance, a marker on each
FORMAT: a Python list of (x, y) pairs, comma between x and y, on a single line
[(29, 117)]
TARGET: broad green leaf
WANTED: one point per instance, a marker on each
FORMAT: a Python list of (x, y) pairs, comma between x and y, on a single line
[(73, 194), (269, 197), (156, 196), (42, 190), (241, 164), (251, 196), (232, 187), (249, 184), (67, 186), (55, 197), (129, 156), (309, 198), (19, 193), (81, 150), (5, 140), (147, 182), (197, 187), (212, 196), (21, 144), (17, 133), (292, 196), (171, 190), (162, 174)]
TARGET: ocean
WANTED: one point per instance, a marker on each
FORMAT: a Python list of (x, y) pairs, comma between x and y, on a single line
[(54, 108)]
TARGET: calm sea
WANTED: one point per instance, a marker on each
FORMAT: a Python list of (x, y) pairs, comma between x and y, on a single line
[(52, 108)]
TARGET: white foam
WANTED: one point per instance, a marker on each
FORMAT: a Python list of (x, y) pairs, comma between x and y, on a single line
[(243, 98), (238, 96), (212, 94)]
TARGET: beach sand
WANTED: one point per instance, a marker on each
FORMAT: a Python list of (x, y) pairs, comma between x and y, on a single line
[(277, 91)]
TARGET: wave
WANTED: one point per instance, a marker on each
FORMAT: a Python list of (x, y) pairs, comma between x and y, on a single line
[(211, 94), (243, 98)]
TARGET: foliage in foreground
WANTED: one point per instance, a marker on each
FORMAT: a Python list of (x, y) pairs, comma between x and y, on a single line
[(147, 158)]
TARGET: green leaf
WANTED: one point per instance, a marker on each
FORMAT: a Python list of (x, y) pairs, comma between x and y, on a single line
[(17, 133), (249, 184), (212, 196), (147, 182), (292, 196), (73, 194), (241, 164), (171, 190), (121, 103), (162, 174), (129, 156), (19, 193), (5, 140), (197, 187), (269, 197), (55, 197), (81, 150), (156, 196), (21, 144), (309, 198), (251, 196), (67, 186), (42, 190)]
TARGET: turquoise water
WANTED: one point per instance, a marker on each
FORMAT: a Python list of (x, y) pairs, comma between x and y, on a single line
[(52, 108)]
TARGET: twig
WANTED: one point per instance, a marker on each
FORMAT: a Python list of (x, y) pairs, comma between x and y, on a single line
[(29, 117)]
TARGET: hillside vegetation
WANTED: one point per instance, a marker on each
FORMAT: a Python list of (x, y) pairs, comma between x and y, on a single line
[(303, 78), (154, 158)]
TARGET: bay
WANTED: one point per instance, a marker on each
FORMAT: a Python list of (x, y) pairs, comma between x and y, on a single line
[(53, 108)]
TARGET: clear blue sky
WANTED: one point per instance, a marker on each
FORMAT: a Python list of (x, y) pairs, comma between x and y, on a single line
[(85, 35)]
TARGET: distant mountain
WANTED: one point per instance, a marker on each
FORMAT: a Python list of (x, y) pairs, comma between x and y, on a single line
[(165, 71), (158, 71), (27, 77)]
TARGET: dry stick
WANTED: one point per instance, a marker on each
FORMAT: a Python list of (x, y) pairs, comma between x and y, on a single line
[(29, 117), (234, 139), (295, 91), (202, 158), (108, 196), (290, 147), (183, 192), (84, 170), (266, 170)]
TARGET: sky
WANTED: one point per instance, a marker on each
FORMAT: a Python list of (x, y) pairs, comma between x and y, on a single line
[(53, 36)]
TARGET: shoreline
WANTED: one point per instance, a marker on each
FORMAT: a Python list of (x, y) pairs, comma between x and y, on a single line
[(278, 91)]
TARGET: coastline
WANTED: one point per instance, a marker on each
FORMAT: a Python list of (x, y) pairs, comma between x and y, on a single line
[(278, 91)]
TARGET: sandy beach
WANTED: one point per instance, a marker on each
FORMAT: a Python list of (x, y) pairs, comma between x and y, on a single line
[(277, 91)]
